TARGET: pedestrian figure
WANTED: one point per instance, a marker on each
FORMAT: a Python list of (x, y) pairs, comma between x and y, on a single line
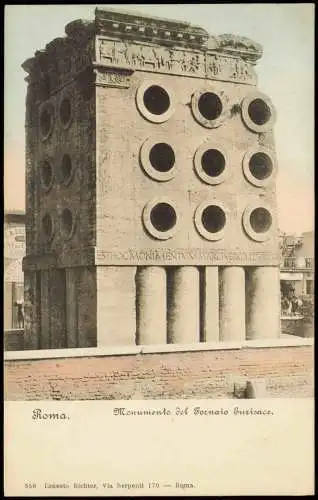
[(19, 304), (296, 305), (286, 305)]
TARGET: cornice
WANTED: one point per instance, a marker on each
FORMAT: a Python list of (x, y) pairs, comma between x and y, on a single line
[(241, 46), (143, 28)]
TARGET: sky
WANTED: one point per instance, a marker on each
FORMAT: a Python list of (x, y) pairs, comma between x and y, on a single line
[(285, 74)]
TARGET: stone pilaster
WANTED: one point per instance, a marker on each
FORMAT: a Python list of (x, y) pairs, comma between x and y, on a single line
[(116, 305), (263, 303), (232, 303), (31, 310), (71, 307), (210, 304), (183, 306), (151, 300)]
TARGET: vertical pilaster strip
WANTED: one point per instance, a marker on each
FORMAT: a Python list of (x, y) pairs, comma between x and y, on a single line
[(45, 338), (151, 304), (183, 306), (232, 303), (32, 305), (116, 305), (71, 307), (87, 307), (263, 303), (57, 303), (210, 304)]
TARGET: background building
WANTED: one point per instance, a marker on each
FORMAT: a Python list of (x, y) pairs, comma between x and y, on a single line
[(14, 251), (297, 263), (105, 106)]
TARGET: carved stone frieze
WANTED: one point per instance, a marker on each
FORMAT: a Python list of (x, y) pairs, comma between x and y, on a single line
[(119, 54), (222, 67)]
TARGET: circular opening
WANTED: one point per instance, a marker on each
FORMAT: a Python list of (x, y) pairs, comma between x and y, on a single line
[(66, 168), (162, 157), (67, 222), (163, 217), (210, 106), (261, 220), (47, 226), (213, 218), (45, 122), (65, 111), (259, 112), (261, 166), (213, 162), (156, 100), (46, 174)]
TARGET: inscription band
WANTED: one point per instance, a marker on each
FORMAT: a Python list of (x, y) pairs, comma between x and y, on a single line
[(162, 257)]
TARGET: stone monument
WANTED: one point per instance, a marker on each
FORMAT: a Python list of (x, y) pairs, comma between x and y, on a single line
[(151, 213)]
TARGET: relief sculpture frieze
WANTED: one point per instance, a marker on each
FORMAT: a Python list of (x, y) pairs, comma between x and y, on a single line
[(222, 67), (118, 54)]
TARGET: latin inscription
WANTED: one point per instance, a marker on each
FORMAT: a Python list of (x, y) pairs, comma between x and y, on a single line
[(112, 79), (198, 256), (163, 257)]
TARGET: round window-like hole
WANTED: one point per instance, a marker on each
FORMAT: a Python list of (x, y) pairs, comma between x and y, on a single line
[(65, 111), (163, 217), (213, 162), (46, 122), (260, 220), (213, 218), (162, 157), (67, 222), (47, 226), (261, 166), (259, 111), (46, 174), (210, 106), (210, 163), (156, 100), (66, 168)]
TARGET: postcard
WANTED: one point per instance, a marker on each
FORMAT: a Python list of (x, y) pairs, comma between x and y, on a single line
[(158, 250)]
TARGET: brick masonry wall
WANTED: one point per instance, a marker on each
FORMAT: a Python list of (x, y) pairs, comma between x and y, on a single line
[(198, 375)]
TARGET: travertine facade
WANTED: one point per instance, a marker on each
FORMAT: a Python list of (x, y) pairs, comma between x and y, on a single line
[(151, 204)]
